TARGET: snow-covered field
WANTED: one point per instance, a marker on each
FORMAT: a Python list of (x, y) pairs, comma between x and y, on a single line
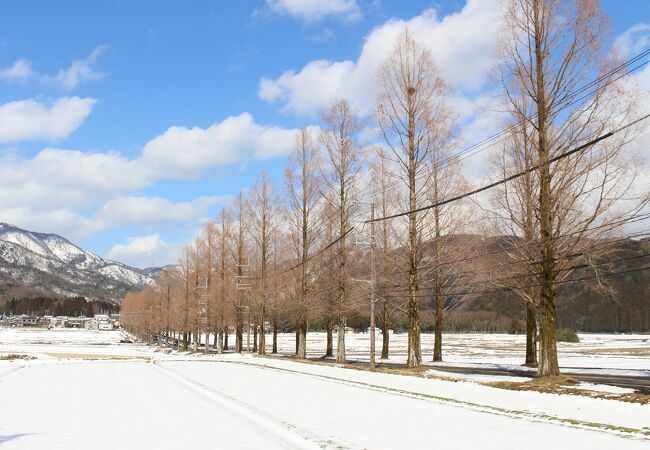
[(81, 393), (613, 353)]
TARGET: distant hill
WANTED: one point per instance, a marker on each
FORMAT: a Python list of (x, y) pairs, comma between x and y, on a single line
[(41, 264), (579, 305)]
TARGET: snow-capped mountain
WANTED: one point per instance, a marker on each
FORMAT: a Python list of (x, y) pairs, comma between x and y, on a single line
[(40, 263)]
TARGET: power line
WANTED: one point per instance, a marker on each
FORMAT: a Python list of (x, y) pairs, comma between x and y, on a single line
[(512, 177)]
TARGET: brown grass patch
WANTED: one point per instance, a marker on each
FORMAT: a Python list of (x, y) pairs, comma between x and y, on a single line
[(13, 357), (562, 388), (636, 351)]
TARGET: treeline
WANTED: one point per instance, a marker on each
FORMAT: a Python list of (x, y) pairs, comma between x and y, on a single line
[(378, 209), (56, 306)]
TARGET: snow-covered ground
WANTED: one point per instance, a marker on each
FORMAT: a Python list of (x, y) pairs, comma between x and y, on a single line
[(617, 353), (80, 393)]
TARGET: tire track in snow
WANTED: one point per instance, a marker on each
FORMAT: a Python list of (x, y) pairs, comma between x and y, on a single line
[(623, 432), (12, 372), (289, 433)]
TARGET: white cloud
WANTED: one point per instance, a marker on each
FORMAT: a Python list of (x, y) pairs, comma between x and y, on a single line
[(146, 251), (20, 71), (634, 40), (314, 10), (186, 152), (154, 212), (148, 213), (80, 70), (462, 45), (55, 189), (30, 119)]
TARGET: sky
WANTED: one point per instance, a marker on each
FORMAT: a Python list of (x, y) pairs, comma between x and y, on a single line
[(125, 125)]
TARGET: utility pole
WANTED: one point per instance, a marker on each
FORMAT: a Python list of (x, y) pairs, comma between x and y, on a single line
[(373, 276)]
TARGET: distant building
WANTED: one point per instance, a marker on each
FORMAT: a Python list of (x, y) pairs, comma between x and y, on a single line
[(101, 322), (76, 322), (29, 321)]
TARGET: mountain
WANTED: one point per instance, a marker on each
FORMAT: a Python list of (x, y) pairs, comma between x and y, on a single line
[(34, 263), (582, 305)]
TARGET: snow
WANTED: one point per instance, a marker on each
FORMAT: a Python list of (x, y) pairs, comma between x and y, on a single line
[(124, 274), (25, 240), (616, 354), (70, 399)]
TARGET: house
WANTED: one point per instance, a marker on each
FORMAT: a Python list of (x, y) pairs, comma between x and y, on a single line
[(14, 321), (29, 321), (58, 321), (76, 322), (102, 322)]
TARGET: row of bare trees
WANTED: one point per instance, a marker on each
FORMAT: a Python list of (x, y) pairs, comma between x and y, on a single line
[(285, 262)]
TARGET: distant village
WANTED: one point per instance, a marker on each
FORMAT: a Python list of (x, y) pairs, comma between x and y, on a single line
[(100, 322)]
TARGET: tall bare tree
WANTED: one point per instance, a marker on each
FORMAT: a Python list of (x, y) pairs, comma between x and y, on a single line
[(343, 155), (444, 181), (302, 186), (386, 200), (263, 212), (242, 274), (551, 48), (410, 87)]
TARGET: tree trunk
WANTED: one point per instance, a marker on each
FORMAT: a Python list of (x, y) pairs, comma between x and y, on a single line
[(262, 343), (548, 365), (275, 336), (254, 338), (340, 342), (301, 350), (437, 343), (225, 339), (531, 336), (385, 336), (414, 357), (219, 343), (239, 337), (329, 350)]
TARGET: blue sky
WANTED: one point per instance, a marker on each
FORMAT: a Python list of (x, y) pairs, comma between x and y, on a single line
[(125, 124)]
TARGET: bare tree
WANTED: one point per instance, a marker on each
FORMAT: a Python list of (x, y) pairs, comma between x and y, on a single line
[(386, 200), (410, 86), (240, 257), (223, 267), (444, 181), (263, 212), (550, 49), (341, 174), (302, 187)]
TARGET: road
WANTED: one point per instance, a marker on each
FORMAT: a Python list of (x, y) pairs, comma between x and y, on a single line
[(639, 384)]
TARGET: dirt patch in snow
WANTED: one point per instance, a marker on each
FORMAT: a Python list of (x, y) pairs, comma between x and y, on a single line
[(563, 388), (12, 357)]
